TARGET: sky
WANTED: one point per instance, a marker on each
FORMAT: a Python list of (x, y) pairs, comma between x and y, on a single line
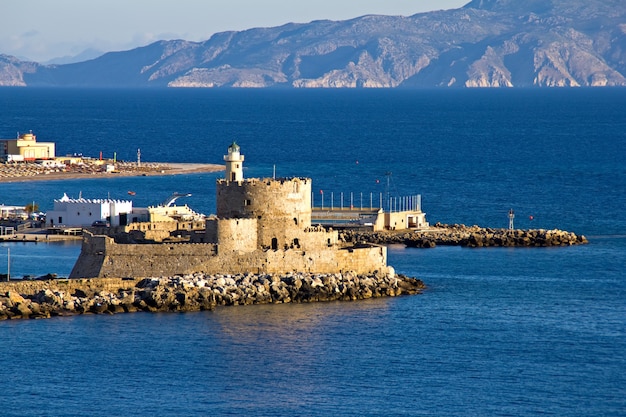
[(40, 30)]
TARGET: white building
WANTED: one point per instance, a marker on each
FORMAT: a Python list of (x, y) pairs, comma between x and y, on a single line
[(12, 212), (83, 212)]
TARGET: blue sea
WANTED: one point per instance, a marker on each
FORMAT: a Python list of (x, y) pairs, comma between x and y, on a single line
[(498, 332)]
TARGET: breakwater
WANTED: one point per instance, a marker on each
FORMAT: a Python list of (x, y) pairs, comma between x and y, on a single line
[(468, 236), (197, 292)]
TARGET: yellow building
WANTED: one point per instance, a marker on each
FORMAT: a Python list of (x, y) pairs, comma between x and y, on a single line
[(25, 148)]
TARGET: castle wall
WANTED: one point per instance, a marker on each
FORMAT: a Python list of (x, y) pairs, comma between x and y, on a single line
[(237, 235), (91, 258), (311, 238), (314, 238), (101, 257), (158, 231), (329, 260), (210, 230)]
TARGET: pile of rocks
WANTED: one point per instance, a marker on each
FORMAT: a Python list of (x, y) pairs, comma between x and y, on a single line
[(197, 292), (469, 236), (542, 238)]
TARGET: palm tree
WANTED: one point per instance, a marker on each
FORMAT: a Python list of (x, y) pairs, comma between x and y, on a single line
[(31, 208)]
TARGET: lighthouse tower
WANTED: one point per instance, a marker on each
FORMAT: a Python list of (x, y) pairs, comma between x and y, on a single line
[(234, 163)]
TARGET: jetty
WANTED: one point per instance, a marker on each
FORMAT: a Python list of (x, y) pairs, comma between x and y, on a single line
[(52, 234), (466, 236)]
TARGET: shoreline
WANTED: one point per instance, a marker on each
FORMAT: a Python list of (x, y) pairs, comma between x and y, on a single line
[(197, 292), (24, 173)]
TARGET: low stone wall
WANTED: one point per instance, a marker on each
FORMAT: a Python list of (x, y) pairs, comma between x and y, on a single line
[(198, 292), (101, 257), (469, 236)]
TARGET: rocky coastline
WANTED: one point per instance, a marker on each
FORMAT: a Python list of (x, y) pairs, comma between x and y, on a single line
[(198, 292), (468, 236)]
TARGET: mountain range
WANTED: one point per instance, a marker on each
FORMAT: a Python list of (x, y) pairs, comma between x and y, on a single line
[(486, 43)]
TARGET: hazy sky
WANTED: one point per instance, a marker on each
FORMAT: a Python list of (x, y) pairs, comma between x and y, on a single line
[(44, 29)]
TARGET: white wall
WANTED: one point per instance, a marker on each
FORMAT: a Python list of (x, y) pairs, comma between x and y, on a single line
[(83, 212)]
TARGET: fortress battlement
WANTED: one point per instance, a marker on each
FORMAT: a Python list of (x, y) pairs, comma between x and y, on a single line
[(262, 225), (267, 181)]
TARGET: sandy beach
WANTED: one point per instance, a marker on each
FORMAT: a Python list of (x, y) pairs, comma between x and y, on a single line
[(34, 172)]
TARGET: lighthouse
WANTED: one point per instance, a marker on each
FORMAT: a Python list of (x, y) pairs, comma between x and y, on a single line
[(234, 163)]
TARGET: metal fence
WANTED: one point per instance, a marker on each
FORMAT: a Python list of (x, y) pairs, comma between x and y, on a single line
[(365, 201)]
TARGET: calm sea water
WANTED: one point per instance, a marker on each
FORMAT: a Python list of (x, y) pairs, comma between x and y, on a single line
[(499, 332)]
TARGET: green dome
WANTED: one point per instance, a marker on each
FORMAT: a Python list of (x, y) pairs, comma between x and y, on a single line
[(233, 147)]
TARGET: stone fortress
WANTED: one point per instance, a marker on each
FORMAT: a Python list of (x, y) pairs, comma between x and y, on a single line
[(261, 226)]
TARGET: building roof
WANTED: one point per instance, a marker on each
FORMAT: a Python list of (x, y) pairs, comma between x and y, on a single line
[(66, 199)]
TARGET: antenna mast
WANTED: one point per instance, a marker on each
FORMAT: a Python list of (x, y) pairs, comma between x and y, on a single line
[(388, 190)]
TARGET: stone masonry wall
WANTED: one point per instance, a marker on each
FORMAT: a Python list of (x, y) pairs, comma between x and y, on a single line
[(210, 235), (102, 257), (282, 207), (314, 238), (237, 235)]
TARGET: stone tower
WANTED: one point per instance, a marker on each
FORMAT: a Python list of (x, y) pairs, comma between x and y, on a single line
[(281, 207), (234, 163)]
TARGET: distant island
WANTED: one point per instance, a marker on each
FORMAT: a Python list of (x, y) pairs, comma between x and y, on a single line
[(486, 43)]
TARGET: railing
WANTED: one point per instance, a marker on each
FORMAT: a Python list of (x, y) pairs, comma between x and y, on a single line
[(363, 201)]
